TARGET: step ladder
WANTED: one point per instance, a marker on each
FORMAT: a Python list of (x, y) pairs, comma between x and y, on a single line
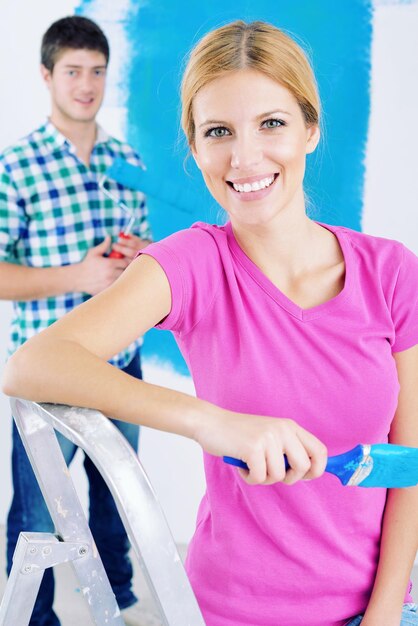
[(72, 542)]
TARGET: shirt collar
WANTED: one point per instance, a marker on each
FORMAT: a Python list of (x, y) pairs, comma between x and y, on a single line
[(101, 135), (56, 139), (52, 136)]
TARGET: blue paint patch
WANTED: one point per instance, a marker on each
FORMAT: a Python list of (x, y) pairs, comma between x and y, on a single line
[(339, 35)]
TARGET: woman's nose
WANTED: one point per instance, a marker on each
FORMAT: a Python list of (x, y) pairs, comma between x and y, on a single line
[(246, 153)]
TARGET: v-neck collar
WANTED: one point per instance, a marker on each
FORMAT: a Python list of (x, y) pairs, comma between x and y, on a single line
[(276, 294)]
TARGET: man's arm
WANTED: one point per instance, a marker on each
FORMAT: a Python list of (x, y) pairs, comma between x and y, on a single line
[(20, 282), (92, 275)]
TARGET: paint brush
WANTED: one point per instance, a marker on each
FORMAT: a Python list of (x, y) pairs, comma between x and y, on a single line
[(379, 465)]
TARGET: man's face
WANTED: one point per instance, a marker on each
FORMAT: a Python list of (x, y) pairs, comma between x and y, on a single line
[(76, 85)]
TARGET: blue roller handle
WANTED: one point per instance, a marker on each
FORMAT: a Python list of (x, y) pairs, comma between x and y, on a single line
[(342, 465)]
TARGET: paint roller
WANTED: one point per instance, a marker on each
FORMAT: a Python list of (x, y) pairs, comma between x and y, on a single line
[(159, 187), (138, 179)]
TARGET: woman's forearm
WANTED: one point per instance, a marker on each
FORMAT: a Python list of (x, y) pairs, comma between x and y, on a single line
[(397, 553), (49, 368), (64, 372)]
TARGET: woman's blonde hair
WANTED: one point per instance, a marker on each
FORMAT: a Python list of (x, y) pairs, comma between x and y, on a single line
[(256, 45)]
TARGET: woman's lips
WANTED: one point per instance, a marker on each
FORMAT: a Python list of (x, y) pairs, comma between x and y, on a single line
[(247, 191)]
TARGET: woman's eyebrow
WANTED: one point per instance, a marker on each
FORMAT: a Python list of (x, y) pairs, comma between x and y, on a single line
[(258, 117), (274, 112), (207, 122)]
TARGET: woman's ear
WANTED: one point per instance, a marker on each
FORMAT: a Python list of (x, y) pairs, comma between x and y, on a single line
[(314, 135), (194, 155)]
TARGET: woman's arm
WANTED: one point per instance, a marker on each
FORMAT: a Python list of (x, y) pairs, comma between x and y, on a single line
[(400, 523), (67, 364)]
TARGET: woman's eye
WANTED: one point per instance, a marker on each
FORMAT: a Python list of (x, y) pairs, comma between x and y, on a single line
[(272, 123), (219, 131)]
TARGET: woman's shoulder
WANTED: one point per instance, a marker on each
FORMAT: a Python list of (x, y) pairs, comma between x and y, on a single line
[(378, 250), (199, 239), (199, 231), (383, 261), (368, 241), (198, 249)]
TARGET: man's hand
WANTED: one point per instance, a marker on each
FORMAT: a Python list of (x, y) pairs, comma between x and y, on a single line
[(96, 271), (128, 245)]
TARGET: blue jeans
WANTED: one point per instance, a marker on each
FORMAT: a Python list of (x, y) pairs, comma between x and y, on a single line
[(28, 512), (409, 616)]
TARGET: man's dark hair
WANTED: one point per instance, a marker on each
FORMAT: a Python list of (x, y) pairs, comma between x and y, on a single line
[(75, 32)]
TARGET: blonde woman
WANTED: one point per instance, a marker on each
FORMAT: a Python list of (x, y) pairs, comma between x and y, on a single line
[(297, 335)]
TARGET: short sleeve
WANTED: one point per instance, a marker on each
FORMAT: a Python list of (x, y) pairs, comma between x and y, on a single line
[(13, 220), (405, 303), (191, 261)]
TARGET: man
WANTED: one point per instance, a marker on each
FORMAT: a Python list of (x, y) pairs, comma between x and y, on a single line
[(55, 232)]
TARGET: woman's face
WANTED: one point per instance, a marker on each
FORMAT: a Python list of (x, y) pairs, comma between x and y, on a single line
[(251, 141)]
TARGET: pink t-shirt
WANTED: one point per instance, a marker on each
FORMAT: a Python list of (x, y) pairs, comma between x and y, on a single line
[(301, 555)]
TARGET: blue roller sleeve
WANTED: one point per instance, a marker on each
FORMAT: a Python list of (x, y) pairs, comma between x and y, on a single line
[(152, 184)]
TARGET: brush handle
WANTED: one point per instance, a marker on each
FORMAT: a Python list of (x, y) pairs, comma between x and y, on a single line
[(238, 463), (343, 465)]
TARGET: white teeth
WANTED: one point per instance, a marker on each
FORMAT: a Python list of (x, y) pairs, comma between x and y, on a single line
[(259, 184)]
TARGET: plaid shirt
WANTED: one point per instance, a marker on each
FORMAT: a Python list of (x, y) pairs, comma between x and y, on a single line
[(52, 212)]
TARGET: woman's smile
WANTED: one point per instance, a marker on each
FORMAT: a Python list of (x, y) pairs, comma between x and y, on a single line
[(254, 187)]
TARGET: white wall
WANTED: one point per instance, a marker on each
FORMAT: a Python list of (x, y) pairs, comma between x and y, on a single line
[(22, 107), (391, 192), (173, 464), (390, 199)]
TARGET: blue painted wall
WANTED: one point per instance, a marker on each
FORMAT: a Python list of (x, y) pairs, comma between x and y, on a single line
[(338, 34)]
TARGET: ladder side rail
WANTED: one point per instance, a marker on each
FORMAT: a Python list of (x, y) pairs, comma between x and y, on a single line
[(137, 503), (55, 482), (35, 552), (21, 589)]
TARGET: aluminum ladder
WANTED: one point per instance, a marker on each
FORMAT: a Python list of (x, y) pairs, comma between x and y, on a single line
[(138, 507)]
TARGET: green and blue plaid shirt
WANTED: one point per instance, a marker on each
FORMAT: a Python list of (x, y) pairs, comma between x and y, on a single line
[(52, 212)]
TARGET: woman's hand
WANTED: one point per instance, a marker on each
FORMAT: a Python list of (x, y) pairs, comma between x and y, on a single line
[(261, 442)]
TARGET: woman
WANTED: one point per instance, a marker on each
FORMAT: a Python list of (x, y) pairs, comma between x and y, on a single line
[(296, 335)]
